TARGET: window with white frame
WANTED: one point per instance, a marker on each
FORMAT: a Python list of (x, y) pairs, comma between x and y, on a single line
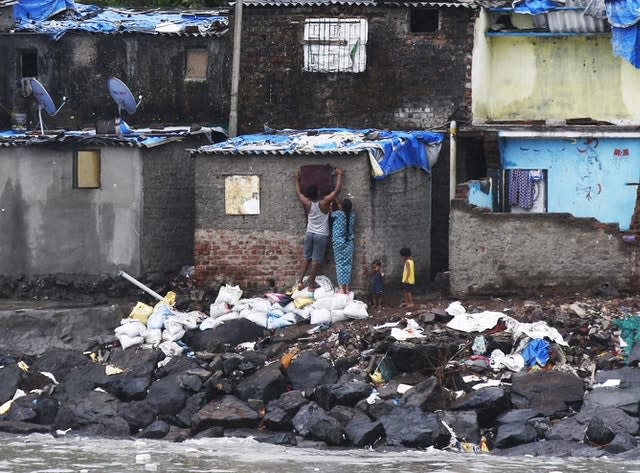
[(335, 44)]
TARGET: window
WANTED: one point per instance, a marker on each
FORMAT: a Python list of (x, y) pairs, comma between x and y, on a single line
[(86, 169), (335, 44), (424, 20), (197, 62), (29, 63)]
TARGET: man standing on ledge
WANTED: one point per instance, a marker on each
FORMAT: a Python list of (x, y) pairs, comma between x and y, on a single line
[(317, 235)]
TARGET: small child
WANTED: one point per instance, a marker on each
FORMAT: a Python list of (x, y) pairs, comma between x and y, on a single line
[(377, 287), (408, 278)]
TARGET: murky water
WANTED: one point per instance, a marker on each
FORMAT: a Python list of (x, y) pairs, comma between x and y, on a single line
[(43, 453)]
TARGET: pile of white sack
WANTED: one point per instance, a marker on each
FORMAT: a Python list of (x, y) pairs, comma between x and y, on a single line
[(163, 326)]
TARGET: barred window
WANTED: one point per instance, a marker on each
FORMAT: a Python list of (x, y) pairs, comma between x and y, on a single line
[(335, 44)]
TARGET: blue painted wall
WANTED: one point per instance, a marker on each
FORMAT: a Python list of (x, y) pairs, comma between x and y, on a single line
[(586, 177), (479, 198)]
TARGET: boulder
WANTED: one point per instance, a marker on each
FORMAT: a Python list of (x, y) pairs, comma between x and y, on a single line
[(558, 449), (550, 392), (629, 376), (9, 379), (280, 412), (488, 402), (166, 395), (517, 416), (308, 370), (23, 428), (622, 442), (190, 382), (266, 384), (429, 395), (226, 412), (59, 362), (278, 438), (566, 429), (139, 368), (95, 414), (79, 382), (211, 432), (617, 419), (156, 430), (193, 404), (463, 423), (510, 435), (228, 335), (313, 422), (346, 414), (362, 434), (601, 398), (328, 395), (414, 428), (39, 409), (410, 358), (599, 432), (138, 414)]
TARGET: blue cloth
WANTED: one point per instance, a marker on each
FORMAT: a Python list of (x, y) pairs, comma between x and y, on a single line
[(40, 9), (623, 13), (342, 241), (533, 7), (536, 351), (625, 34), (377, 285)]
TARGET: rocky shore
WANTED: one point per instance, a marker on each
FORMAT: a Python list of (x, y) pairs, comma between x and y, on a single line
[(409, 378)]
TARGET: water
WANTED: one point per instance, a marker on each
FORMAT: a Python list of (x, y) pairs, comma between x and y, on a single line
[(43, 453)]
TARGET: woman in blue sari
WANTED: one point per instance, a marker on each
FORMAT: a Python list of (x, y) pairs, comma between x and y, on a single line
[(342, 241)]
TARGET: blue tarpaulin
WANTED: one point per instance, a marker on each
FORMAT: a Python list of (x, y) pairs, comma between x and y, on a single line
[(534, 7), (389, 151), (40, 9), (625, 33)]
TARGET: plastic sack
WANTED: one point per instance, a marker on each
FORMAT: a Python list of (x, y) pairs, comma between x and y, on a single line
[(229, 316), (302, 302), (216, 310), (131, 328), (290, 307), (170, 299), (126, 341), (160, 313), (320, 316), (258, 318), (335, 302), (322, 292), (153, 336), (141, 312), (356, 310), (277, 319), (173, 330), (210, 323), (338, 316), (302, 294), (188, 320), (303, 312), (229, 294), (170, 348)]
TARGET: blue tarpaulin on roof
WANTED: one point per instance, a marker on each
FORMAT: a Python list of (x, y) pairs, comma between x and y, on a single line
[(625, 32), (40, 9), (390, 151), (534, 7), (95, 19)]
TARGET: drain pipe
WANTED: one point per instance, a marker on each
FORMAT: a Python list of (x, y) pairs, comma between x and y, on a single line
[(453, 130), (235, 70), (135, 282)]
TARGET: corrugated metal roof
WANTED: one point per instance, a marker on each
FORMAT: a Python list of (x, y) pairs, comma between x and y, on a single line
[(370, 3)]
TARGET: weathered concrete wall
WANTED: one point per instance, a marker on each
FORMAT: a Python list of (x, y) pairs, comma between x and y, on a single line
[(48, 227), (411, 81), (79, 64), (250, 249), (501, 253)]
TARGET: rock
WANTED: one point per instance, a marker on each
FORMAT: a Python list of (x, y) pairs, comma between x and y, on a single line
[(279, 438), (343, 364), (79, 382), (328, 395), (617, 419), (139, 368), (629, 377), (230, 334), (166, 395), (23, 428), (227, 412), (216, 431), (9, 379), (377, 409), (622, 442), (346, 414), (362, 434), (138, 414), (312, 422), (566, 429), (266, 384), (598, 432), (488, 402), (95, 414), (409, 357), (308, 370), (558, 449), (23, 409), (550, 392), (601, 398), (510, 435), (280, 412), (193, 404), (414, 428), (157, 430), (429, 395), (542, 426), (464, 424)]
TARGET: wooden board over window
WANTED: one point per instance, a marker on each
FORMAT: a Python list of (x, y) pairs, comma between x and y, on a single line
[(87, 169), (197, 62)]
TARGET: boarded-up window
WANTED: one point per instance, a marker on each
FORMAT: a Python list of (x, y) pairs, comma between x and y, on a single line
[(335, 44), (424, 20), (197, 62), (86, 169), (29, 63)]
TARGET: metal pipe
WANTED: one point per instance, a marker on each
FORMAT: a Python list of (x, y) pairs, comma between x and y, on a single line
[(135, 282), (235, 70), (453, 130)]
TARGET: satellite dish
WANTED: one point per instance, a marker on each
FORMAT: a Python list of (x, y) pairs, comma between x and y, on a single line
[(44, 101), (121, 94)]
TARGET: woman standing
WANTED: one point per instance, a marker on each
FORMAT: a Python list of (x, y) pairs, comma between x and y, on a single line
[(342, 240)]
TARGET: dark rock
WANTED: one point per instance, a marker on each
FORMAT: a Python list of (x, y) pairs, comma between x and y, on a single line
[(601, 398), (617, 419), (157, 430), (216, 431), (629, 377), (31, 380), (362, 434), (280, 412), (23, 409), (178, 365), (166, 395), (510, 435), (23, 428), (429, 395), (550, 392), (190, 382), (290, 333), (377, 409), (344, 363), (227, 412), (488, 402), (231, 362), (193, 404), (10, 376), (622, 442), (558, 448), (215, 386), (279, 438), (346, 414), (566, 429), (517, 416), (94, 414), (79, 382), (464, 424), (230, 334), (409, 357), (414, 428), (328, 395), (138, 414), (598, 432), (311, 421), (542, 426), (266, 384), (59, 362), (177, 434), (308, 370)]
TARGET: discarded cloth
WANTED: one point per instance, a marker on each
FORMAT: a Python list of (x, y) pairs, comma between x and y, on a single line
[(536, 352)]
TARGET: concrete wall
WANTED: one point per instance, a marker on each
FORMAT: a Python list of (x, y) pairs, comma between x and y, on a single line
[(500, 253), (250, 249), (79, 64), (586, 177), (48, 227), (553, 77), (411, 81)]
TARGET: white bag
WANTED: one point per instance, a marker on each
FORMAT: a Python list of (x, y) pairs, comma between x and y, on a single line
[(210, 322), (258, 318), (131, 328), (153, 336), (320, 316), (229, 294), (216, 310), (356, 310), (126, 341), (338, 316)]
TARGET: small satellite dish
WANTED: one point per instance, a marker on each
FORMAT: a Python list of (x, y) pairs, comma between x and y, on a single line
[(44, 101), (121, 94)]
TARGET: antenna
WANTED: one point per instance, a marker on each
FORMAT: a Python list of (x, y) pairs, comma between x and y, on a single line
[(121, 94), (44, 102)]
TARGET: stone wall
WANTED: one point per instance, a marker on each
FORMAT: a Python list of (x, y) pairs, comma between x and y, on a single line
[(252, 250), (411, 80), (501, 253)]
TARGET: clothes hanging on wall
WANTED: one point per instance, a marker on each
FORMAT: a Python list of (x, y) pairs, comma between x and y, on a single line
[(521, 187)]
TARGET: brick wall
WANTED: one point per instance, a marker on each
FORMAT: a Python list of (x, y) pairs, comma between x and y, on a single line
[(411, 80), (501, 253)]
